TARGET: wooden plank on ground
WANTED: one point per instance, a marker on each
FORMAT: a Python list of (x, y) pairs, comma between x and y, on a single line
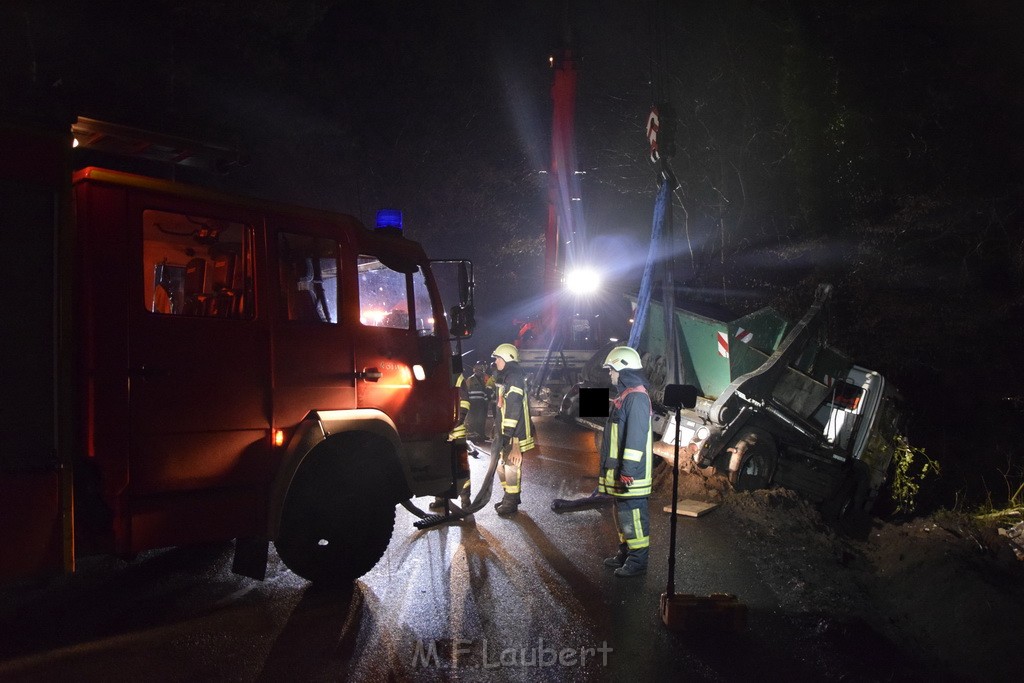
[(691, 508)]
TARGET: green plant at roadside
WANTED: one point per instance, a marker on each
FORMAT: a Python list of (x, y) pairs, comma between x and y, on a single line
[(911, 468), (1014, 507)]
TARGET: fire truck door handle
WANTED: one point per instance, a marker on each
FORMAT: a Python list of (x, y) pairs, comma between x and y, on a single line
[(369, 374)]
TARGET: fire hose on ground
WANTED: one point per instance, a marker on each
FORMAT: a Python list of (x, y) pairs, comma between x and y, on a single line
[(452, 510)]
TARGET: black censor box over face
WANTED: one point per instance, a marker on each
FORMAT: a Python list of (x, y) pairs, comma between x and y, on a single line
[(594, 401)]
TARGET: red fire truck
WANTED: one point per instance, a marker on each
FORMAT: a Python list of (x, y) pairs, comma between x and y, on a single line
[(184, 366)]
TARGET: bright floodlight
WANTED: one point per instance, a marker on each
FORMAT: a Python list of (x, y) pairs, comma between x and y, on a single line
[(582, 281)]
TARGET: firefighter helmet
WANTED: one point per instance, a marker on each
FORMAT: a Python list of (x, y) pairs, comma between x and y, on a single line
[(623, 358), (507, 352)]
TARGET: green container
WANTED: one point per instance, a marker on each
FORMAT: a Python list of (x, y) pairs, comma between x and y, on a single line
[(702, 364), (716, 352)]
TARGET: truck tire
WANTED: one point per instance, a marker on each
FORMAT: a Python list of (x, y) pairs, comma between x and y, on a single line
[(849, 496), (841, 500), (339, 513), (758, 466)]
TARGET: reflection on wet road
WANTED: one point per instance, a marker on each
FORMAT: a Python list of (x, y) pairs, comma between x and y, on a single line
[(489, 598)]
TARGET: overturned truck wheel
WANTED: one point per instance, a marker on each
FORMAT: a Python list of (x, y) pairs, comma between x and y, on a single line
[(850, 494), (339, 513), (757, 458)]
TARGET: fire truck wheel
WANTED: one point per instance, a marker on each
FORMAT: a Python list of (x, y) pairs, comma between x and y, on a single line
[(759, 461), (338, 517)]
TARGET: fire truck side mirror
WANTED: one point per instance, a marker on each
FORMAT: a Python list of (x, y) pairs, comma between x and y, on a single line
[(463, 321), (457, 367), (466, 283), (462, 315)]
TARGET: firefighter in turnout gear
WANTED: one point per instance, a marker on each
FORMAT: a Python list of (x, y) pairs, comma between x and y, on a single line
[(459, 432), (515, 436), (479, 393), (626, 461)]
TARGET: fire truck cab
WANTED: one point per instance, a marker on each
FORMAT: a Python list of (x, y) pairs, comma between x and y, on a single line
[(186, 366)]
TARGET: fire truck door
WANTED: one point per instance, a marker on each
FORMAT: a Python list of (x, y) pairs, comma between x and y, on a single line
[(198, 356), (313, 368), (402, 359)]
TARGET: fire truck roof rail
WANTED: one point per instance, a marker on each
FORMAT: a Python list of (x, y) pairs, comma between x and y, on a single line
[(126, 141)]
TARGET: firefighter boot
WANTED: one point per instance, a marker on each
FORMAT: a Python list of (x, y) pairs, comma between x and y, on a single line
[(516, 496), (629, 570), (635, 565), (618, 559), (508, 505)]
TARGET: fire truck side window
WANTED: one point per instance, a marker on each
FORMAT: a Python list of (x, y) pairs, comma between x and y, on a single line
[(309, 277), (196, 265), (383, 295)]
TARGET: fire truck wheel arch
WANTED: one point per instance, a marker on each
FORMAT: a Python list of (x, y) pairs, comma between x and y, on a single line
[(319, 427), (339, 512)]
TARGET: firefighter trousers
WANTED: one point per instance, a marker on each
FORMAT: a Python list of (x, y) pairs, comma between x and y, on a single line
[(632, 523), (510, 476)]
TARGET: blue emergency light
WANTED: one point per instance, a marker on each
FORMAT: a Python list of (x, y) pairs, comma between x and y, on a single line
[(389, 219)]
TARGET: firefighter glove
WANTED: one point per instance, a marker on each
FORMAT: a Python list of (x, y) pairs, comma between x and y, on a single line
[(627, 481)]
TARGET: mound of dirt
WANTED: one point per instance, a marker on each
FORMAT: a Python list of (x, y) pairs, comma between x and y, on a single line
[(943, 588), (953, 588), (694, 483)]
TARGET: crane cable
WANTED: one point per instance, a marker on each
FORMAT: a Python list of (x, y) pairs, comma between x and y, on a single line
[(661, 223)]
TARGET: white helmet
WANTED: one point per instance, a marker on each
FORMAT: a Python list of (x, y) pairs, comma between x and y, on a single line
[(623, 358), (507, 352)]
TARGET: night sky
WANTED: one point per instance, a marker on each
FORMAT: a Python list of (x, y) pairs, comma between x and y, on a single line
[(875, 145)]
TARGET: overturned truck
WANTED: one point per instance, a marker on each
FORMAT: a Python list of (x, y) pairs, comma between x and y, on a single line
[(778, 406)]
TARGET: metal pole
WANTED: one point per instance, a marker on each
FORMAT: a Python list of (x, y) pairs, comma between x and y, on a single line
[(671, 589), (672, 371)]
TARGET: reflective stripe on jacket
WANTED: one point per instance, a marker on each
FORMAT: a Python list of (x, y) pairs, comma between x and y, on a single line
[(476, 388), (515, 407), (626, 449), (459, 430)]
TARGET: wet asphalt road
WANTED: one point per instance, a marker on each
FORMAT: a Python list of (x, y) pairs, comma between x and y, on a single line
[(521, 598)]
